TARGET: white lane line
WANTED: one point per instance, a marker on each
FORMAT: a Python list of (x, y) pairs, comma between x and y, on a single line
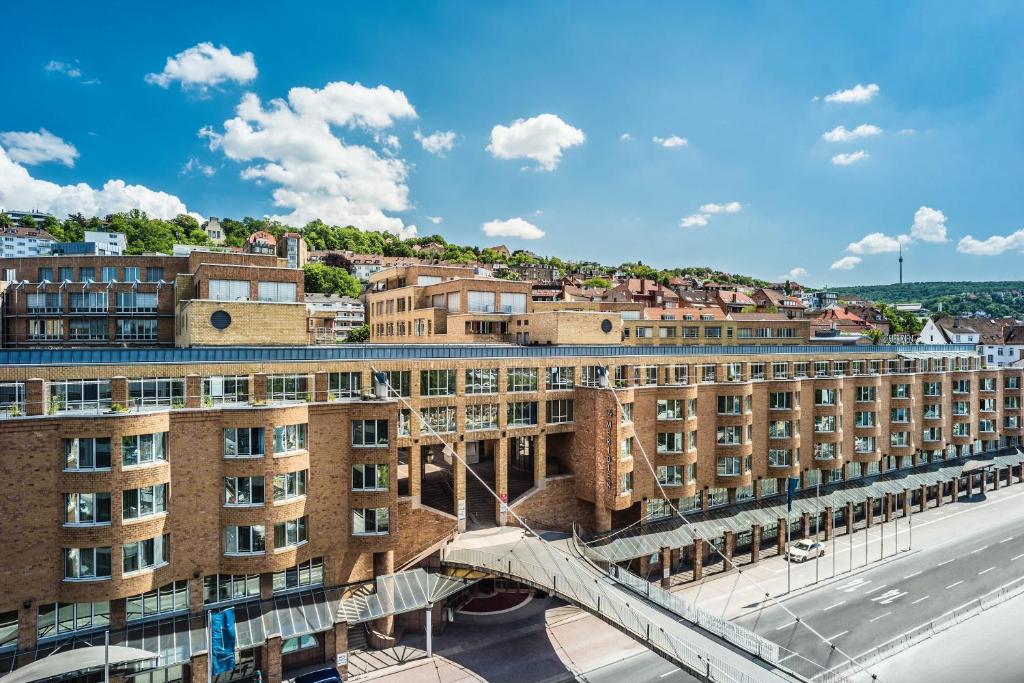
[(668, 673), (946, 562), (841, 602), (1016, 558), (978, 550), (785, 625), (1008, 538), (920, 600), (953, 585), (881, 616), (838, 635), (876, 588), (910, 576), (985, 571)]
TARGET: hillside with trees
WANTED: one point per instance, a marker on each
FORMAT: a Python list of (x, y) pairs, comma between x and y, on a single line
[(995, 299)]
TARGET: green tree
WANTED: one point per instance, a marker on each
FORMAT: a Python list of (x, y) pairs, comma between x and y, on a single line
[(597, 282), (359, 335), (507, 274), (5, 220), (323, 279), (53, 226), (26, 221)]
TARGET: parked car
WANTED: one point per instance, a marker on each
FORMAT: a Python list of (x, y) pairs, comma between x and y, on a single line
[(805, 549), (326, 675)]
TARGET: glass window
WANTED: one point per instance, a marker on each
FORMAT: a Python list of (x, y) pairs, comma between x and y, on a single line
[(243, 491), (225, 389), (86, 509), (522, 379), (288, 438), (144, 502), (79, 394), (229, 290), (561, 378), (159, 391), (55, 619), (290, 533), (560, 411), (304, 574), (437, 382), (290, 485), (370, 521), (87, 454), (244, 540), (482, 381), (780, 400), (138, 329), (343, 385), (87, 563), (670, 409), (482, 416), (143, 449), (522, 413), (288, 388), (370, 433), (670, 442), (278, 291), (373, 477), (243, 442), (227, 587), (439, 419), (147, 554), (172, 597)]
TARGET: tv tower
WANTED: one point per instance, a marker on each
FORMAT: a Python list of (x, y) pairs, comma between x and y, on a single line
[(901, 263)]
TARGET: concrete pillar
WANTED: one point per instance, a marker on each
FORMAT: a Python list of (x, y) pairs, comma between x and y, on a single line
[(729, 550), (459, 483), (869, 511), (540, 460), (780, 540), (501, 480), (698, 559), (805, 525), (755, 543), (923, 501), (193, 391), (666, 567), (849, 517), (905, 510), (829, 519)]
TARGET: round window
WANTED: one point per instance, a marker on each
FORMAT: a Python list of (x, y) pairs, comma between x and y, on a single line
[(606, 325), (220, 320)]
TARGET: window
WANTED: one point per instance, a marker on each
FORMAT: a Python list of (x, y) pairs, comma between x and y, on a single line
[(290, 534), (88, 302), (299, 643), (243, 442), (824, 423), (900, 390), (864, 418), (143, 502), (440, 419), (730, 435), (961, 386), (932, 388), (170, 598), (480, 302), (780, 400), (225, 389), (370, 521), (108, 274), (343, 385), (482, 381), (156, 392), (289, 438), (304, 574), (626, 448), (666, 332), (143, 449), (87, 454), (225, 587), (287, 388), (730, 466), (932, 434), (43, 302), (780, 457), (1011, 382), (87, 330), (988, 383), (136, 330), (79, 394), (825, 451), (437, 383), (8, 629), (243, 491), (245, 540), (757, 371), (864, 394), (670, 442), (825, 397), (482, 416), (670, 409), (54, 619), (780, 429), (986, 425), (899, 415), (707, 374), (522, 379), (961, 408), (932, 411), (513, 302), (12, 398), (370, 477), (658, 508), (899, 439), (627, 413), (45, 330), (730, 405), (522, 413), (132, 274), (370, 433), (561, 378), (560, 411), (625, 483), (988, 405), (399, 383), (147, 554), (229, 290), (134, 302), (86, 563), (84, 509), (691, 407), (961, 429), (670, 475), (290, 485), (1009, 402), (277, 291)]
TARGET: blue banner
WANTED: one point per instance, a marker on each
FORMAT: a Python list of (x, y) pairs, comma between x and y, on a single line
[(222, 641), (792, 484)]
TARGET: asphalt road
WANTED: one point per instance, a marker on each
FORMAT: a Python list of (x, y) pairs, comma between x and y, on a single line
[(869, 608)]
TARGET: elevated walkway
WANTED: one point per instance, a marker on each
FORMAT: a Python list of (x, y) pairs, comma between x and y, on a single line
[(554, 567)]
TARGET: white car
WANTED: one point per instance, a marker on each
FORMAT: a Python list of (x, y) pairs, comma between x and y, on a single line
[(805, 549)]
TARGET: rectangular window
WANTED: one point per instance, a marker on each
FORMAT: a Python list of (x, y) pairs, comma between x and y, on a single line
[(513, 302), (79, 394), (132, 274), (825, 451), (88, 302), (137, 330), (561, 378), (243, 442), (987, 405), (627, 413), (370, 477), (229, 290), (987, 383), (302, 575), (899, 415), (730, 435), (522, 379), (399, 383), (864, 444), (229, 587), (780, 400), (370, 521), (87, 330), (626, 448), (148, 554), (290, 534), (108, 274), (670, 409), (288, 388), (961, 408), (167, 599), (482, 381), (824, 423), (343, 385), (285, 292), (899, 439), (932, 434), (900, 390), (143, 502), (961, 386), (658, 508), (670, 442), (780, 457), (480, 302), (289, 438), (225, 389), (440, 419), (825, 397), (780, 429), (522, 413), (670, 475), (961, 429), (730, 405), (481, 416), (87, 454), (932, 388), (730, 466), (865, 418), (625, 483), (437, 383), (560, 411), (159, 391), (86, 509), (143, 449), (370, 433), (135, 302), (932, 411), (86, 563), (57, 619), (245, 540), (290, 485), (243, 491), (43, 302)]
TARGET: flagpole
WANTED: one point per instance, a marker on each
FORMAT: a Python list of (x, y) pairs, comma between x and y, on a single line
[(209, 649), (817, 522), (106, 656)]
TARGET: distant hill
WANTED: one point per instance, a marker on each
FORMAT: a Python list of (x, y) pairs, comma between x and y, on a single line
[(996, 298)]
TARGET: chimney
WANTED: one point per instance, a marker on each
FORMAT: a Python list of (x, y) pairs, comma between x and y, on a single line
[(956, 322)]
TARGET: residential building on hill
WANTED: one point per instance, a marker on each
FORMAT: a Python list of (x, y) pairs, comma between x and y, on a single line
[(16, 241), (770, 299), (647, 292), (348, 313)]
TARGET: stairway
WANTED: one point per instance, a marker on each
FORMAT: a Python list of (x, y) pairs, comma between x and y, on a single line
[(480, 504)]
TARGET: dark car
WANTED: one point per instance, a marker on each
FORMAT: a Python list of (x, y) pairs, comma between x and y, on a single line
[(328, 675)]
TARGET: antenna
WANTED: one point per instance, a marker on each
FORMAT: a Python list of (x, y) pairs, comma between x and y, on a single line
[(901, 263)]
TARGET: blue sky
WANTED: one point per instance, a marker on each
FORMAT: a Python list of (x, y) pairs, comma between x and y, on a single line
[(673, 133)]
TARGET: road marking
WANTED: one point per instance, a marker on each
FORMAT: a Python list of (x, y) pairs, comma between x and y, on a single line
[(785, 625), (985, 571), (853, 585), (946, 562), (881, 616), (888, 597), (1009, 538), (920, 600), (978, 550), (838, 635), (910, 576), (1016, 558), (876, 588), (669, 673), (841, 602), (953, 585)]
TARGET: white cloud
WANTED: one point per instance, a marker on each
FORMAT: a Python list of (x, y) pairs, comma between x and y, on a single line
[(36, 148), (929, 225), (877, 243), (19, 189), (695, 220), (202, 66), (671, 141), (842, 134), (541, 138), (436, 220), (69, 70), (849, 158), (858, 94), (290, 144), (730, 207), (796, 273), (908, 131), (992, 246), (195, 165), (513, 227), (845, 263), (437, 142), (626, 137)]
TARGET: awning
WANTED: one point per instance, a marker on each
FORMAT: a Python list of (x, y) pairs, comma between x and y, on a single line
[(71, 661), (975, 466)]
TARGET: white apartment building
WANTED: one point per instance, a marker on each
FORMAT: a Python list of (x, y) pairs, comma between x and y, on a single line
[(17, 241), (107, 243), (349, 313)]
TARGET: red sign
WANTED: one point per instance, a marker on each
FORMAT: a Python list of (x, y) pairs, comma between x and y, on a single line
[(504, 497)]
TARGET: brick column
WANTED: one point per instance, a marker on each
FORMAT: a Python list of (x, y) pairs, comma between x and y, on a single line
[(540, 459), (907, 502), (258, 393), (850, 511), (195, 596), (940, 493), (645, 566), (119, 392), (459, 484), (602, 516), (666, 566), (780, 540), (336, 643), (501, 479), (729, 550), (698, 559), (270, 659), (869, 511), (956, 490), (35, 397), (995, 479), (384, 628), (198, 664), (27, 627), (923, 502), (829, 519), (887, 505), (320, 384), (266, 586), (415, 473), (118, 614), (755, 543), (193, 391), (805, 525)]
